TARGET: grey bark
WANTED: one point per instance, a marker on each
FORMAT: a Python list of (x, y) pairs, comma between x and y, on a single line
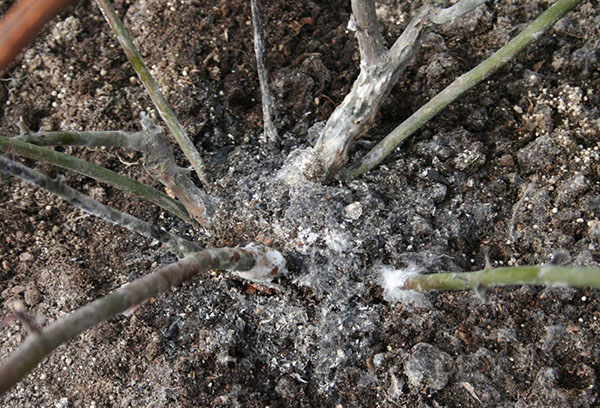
[(378, 75)]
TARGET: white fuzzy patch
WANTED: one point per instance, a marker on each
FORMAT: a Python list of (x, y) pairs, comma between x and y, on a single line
[(269, 264), (337, 241), (392, 281)]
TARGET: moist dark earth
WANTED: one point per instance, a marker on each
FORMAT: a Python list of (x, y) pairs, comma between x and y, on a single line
[(509, 173)]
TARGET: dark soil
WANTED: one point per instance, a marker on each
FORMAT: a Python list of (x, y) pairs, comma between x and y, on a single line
[(509, 172)]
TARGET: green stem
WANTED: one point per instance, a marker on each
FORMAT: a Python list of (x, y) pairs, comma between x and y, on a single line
[(164, 109), (461, 85), (37, 346), (93, 207), (96, 172), (113, 138), (550, 275)]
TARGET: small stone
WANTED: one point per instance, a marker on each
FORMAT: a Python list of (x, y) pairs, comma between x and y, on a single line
[(571, 189), (428, 368), (154, 348), (472, 159), (378, 360), (353, 211), (540, 155), (62, 403), (286, 387), (25, 257), (32, 295), (506, 161), (594, 228), (98, 193)]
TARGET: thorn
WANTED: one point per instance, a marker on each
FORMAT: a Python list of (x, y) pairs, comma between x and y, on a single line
[(185, 170), (480, 288), (480, 293), (488, 265), (60, 181), (11, 147), (21, 314), (559, 257), (23, 129), (131, 309)]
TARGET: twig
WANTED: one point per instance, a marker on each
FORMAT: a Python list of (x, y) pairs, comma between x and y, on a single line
[(355, 116), (268, 106), (409, 43), (160, 163), (549, 275), (22, 22), (20, 313), (158, 160), (368, 33), (165, 111), (96, 172), (461, 85), (96, 208), (448, 15), (37, 346)]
